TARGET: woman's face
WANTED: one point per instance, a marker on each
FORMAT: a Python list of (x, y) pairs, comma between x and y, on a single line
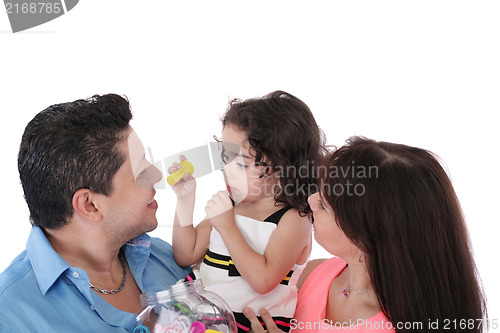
[(326, 231)]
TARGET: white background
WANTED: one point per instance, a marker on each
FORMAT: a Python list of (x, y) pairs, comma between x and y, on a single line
[(422, 73)]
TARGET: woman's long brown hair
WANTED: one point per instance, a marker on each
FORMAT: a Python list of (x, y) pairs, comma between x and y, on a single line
[(403, 213)]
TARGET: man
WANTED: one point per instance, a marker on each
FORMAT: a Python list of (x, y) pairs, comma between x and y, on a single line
[(90, 193)]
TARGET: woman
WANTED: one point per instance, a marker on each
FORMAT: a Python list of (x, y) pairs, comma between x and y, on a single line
[(390, 213)]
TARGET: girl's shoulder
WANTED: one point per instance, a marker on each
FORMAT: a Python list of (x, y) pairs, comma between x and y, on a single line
[(292, 215)]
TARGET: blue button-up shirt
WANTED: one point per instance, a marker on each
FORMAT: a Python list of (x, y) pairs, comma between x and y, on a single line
[(41, 292)]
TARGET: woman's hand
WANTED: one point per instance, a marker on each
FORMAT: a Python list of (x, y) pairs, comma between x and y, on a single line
[(256, 325)]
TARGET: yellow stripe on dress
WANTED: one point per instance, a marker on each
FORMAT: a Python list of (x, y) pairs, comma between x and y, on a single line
[(220, 262)]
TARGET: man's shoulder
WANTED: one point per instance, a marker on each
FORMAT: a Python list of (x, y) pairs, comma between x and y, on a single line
[(158, 244), (16, 282), (16, 273), (161, 250), (162, 261)]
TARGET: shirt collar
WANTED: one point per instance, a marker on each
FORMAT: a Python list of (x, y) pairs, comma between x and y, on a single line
[(48, 265), (137, 252)]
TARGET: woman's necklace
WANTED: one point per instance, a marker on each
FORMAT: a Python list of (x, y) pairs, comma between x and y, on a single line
[(346, 291), (107, 292)]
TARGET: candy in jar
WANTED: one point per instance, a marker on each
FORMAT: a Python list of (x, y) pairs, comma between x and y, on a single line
[(185, 307)]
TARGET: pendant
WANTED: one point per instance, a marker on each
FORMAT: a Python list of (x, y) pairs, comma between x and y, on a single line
[(346, 292)]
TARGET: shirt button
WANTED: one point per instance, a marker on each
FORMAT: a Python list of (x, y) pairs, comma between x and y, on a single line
[(75, 274), (92, 308)]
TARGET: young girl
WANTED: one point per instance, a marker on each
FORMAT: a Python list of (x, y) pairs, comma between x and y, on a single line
[(258, 247)]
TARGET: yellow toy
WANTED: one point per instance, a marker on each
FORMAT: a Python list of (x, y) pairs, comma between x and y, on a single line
[(177, 175)]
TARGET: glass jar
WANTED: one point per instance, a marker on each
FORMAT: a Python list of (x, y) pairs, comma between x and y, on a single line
[(184, 308)]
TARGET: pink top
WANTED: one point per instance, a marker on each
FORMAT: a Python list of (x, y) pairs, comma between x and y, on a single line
[(312, 301)]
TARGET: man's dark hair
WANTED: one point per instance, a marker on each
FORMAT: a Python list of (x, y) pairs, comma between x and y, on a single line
[(67, 147)]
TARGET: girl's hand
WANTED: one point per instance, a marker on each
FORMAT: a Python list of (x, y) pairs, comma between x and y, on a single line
[(220, 210), (186, 187), (256, 325)]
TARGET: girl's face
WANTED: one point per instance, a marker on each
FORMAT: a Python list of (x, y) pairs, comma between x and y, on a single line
[(242, 174), (326, 231)]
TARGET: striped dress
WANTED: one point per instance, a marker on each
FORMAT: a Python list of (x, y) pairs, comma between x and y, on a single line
[(219, 275)]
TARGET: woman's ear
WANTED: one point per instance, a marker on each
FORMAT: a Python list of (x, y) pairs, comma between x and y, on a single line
[(85, 206)]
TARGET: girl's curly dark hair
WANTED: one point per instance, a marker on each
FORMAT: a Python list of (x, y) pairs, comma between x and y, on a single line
[(281, 130)]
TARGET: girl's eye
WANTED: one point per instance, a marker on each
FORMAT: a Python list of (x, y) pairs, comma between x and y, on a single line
[(241, 166)]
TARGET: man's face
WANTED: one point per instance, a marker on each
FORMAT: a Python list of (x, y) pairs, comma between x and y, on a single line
[(130, 210)]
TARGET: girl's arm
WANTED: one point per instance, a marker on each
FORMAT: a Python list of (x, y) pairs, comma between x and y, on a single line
[(290, 242), (189, 244)]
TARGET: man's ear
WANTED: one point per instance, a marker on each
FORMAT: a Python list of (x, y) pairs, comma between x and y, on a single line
[(84, 205)]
